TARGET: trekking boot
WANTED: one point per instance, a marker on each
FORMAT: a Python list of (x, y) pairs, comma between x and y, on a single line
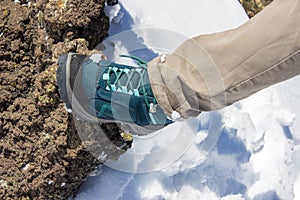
[(96, 90)]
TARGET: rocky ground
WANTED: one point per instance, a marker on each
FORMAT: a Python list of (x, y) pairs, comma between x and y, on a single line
[(252, 7), (41, 154)]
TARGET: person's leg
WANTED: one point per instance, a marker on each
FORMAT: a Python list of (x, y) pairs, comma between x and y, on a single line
[(212, 71)]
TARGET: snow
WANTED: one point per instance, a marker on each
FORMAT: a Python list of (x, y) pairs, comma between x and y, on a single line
[(250, 150), (113, 12), (26, 167)]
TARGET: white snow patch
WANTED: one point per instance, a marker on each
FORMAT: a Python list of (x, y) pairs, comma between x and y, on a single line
[(187, 192), (153, 190), (284, 117), (26, 167), (50, 182), (69, 110), (163, 58), (96, 58), (114, 13), (175, 116)]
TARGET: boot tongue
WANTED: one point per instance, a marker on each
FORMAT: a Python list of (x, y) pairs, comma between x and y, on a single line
[(90, 76)]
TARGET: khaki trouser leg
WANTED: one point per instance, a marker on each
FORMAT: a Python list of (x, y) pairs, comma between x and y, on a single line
[(212, 71)]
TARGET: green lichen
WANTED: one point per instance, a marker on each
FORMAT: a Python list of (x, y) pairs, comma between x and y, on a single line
[(252, 7)]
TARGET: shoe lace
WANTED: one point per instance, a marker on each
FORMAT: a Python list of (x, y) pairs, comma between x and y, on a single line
[(130, 80)]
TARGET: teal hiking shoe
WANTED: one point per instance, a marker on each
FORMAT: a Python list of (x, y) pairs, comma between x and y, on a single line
[(102, 91)]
